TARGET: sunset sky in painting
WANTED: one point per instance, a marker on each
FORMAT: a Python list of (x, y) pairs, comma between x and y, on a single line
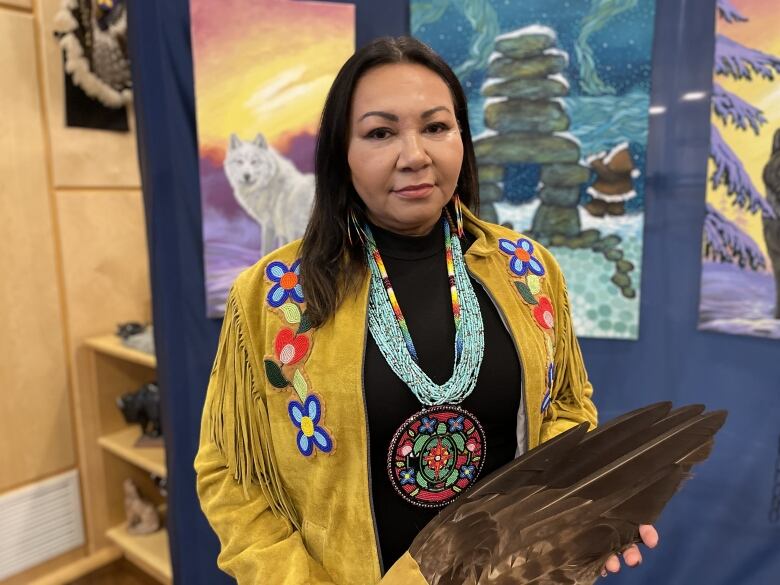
[(761, 32), (265, 65)]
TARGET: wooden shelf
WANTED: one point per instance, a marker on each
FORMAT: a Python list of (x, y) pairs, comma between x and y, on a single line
[(80, 567), (122, 444), (108, 455), (148, 551), (112, 345)]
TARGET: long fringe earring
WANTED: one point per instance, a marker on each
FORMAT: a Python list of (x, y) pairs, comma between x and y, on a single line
[(458, 215)]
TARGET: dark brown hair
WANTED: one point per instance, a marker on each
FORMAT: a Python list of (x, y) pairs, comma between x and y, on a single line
[(331, 266)]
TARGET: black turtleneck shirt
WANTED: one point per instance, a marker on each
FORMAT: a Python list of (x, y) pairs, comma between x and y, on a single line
[(417, 269)]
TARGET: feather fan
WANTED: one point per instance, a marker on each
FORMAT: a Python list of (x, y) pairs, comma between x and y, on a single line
[(554, 515)]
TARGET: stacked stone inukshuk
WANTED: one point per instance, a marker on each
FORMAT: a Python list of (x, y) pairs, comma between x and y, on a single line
[(527, 123)]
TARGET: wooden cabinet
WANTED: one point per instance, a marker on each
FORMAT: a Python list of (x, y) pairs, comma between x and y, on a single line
[(108, 453)]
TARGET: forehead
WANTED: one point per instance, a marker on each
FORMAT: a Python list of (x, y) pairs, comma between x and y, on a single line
[(400, 88)]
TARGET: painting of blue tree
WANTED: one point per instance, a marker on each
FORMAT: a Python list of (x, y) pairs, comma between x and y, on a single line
[(732, 249)]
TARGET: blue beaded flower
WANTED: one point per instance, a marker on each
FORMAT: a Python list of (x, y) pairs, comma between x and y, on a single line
[(427, 425), (456, 424), (406, 476), (467, 471), (306, 416), (287, 283), (522, 258)]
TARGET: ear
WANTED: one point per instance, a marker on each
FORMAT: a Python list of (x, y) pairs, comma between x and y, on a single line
[(259, 141), (776, 142), (235, 142)]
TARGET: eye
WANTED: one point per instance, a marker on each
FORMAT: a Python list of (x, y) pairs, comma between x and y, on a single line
[(379, 133), (437, 128)]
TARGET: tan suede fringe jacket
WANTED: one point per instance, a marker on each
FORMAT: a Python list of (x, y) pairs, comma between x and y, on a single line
[(282, 469)]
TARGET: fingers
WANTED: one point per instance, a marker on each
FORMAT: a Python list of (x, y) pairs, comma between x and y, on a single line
[(613, 564), (632, 556), (649, 535)]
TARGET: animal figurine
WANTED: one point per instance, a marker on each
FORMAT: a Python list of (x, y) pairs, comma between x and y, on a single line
[(142, 516), (143, 407), (136, 336)]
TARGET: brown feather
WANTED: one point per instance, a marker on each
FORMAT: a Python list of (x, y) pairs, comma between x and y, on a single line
[(555, 514)]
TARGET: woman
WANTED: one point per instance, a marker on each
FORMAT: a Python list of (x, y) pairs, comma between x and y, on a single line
[(371, 372)]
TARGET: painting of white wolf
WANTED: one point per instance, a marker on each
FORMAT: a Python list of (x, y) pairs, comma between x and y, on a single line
[(258, 97), (268, 188)]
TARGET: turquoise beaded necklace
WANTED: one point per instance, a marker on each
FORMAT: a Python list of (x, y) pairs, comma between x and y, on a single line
[(388, 328)]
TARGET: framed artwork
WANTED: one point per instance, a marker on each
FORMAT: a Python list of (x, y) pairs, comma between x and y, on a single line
[(558, 93), (262, 71)]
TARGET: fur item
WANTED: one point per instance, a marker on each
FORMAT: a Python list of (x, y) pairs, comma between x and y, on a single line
[(554, 515), (94, 40), (772, 224), (270, 189), (142, 516)]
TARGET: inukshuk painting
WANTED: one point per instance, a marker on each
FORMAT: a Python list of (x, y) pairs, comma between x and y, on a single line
[(262, 71), (558, 94), (740, 286)]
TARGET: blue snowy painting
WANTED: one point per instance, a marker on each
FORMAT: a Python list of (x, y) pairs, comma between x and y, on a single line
[(559, 92), (740, 286)]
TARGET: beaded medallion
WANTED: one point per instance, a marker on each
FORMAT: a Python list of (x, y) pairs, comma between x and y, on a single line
[(438, 452), (435, 455)]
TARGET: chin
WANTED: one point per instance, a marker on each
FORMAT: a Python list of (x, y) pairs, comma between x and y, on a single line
[(421, 218)]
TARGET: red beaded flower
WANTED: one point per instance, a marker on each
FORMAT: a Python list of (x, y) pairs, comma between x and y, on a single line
[(290, 348), (544, 313)]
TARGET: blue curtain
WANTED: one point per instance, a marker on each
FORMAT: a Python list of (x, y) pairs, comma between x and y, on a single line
[(718, 530)]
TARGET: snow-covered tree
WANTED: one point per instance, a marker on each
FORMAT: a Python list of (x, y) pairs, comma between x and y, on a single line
[(724, 241)]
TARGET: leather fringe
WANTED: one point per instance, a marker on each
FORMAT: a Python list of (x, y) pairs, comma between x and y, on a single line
[(239, 418)]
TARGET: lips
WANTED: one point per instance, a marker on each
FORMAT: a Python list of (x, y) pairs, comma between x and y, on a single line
[(414, 187), (414, 191)]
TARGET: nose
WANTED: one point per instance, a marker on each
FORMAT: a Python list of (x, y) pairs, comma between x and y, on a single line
[(247, 176), (413, 155)]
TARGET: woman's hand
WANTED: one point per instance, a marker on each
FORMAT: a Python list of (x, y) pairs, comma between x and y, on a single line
[(632, 556)]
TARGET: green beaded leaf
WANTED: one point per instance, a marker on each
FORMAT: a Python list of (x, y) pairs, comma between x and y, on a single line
[(274, 374), (291, 312), (304, 325), (451, 478), (421, 481), (441, 429), (419, 443), (525, 292), (300, 385), (459, 440)]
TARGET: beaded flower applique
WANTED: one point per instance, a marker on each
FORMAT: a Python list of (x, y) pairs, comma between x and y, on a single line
[(527, 273), (292, 345)]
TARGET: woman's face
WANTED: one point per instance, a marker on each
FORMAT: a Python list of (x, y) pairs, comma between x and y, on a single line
[(405, 150)]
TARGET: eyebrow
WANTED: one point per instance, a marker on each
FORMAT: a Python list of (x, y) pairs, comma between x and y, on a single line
[(394, 118)]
